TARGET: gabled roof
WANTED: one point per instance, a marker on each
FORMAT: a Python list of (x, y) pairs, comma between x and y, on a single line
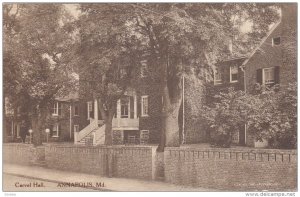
[(72, 96), (261, 43)]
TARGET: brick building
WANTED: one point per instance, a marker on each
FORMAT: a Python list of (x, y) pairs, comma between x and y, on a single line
[(273, 61), (63, 120)]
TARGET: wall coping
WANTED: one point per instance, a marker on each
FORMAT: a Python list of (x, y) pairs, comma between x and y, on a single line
[(235, 150)]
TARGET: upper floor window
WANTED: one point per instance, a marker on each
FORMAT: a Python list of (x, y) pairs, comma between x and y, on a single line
[(76, 110), (56, 110), (276, 41), (269, 75), (144, 69), (125, 107), (144, 108), (233, 74), (217, 76)]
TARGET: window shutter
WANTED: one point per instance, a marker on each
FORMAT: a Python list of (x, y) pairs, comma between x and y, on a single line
[(276, 73), (138, 107), (51, 130), (259, 76), (58, 132), (92, 110), (59, 108), (131, 107)]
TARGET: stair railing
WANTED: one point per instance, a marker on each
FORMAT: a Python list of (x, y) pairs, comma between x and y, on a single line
[(78, 136), (99, 134)]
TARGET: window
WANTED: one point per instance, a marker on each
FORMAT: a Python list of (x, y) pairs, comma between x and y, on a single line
[(76, 111), (89, 109), (76, 128), (56, 110), (233, 74), (269, 75), (144, 69), (55, 130), (276, 41), (124, 107), (144, 105), (217, 76), (236, 137), (144, 136)]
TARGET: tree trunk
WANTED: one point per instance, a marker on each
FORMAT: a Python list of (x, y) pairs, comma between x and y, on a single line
[(108, 128), (38, 122), (170, 113)]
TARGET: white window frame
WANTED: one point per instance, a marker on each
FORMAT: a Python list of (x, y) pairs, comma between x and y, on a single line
[(75, 110), (143, 114), (264, 78), (237, 139), (55, 108), (76, 126), (216, 82), (57, 130), (89, 109), (144, 68), (233, 81), (273, 41), (128, 109)]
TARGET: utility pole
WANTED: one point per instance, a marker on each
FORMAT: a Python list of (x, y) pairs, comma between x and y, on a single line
[(183, 134)]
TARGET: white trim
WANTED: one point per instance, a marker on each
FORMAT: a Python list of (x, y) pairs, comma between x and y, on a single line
[(76, 125), (263, 75), (143, 114), (128, 108), (135, 107), (231, 81), (117, 128), (75, 110), (55, 107), (70, 121), (57, 130), (18, 130), (89, 103), (147, 132)]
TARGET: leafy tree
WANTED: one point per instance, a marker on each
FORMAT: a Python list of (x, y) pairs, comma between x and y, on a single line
[(226, 115), (185, 39), (109, 57), (37, 42), (176, 39)]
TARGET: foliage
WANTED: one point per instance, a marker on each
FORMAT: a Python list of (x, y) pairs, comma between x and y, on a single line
[(226, 116), (37, 43), (270, 115)]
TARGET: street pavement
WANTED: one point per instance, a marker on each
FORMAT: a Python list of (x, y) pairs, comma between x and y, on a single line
[(35, 178)]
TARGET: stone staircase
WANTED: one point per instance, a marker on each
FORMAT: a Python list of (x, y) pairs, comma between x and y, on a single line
[(93, 136)]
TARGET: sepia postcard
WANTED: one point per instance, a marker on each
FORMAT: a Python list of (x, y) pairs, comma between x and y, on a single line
[(140, 97)]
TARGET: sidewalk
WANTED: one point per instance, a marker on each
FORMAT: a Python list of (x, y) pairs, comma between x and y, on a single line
[(111, 184)]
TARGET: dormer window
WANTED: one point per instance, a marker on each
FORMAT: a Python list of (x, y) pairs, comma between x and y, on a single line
[(276, 41)]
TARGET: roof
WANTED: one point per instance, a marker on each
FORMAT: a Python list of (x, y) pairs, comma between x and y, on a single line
[(235, 58), (261, 43), (73, 96)]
